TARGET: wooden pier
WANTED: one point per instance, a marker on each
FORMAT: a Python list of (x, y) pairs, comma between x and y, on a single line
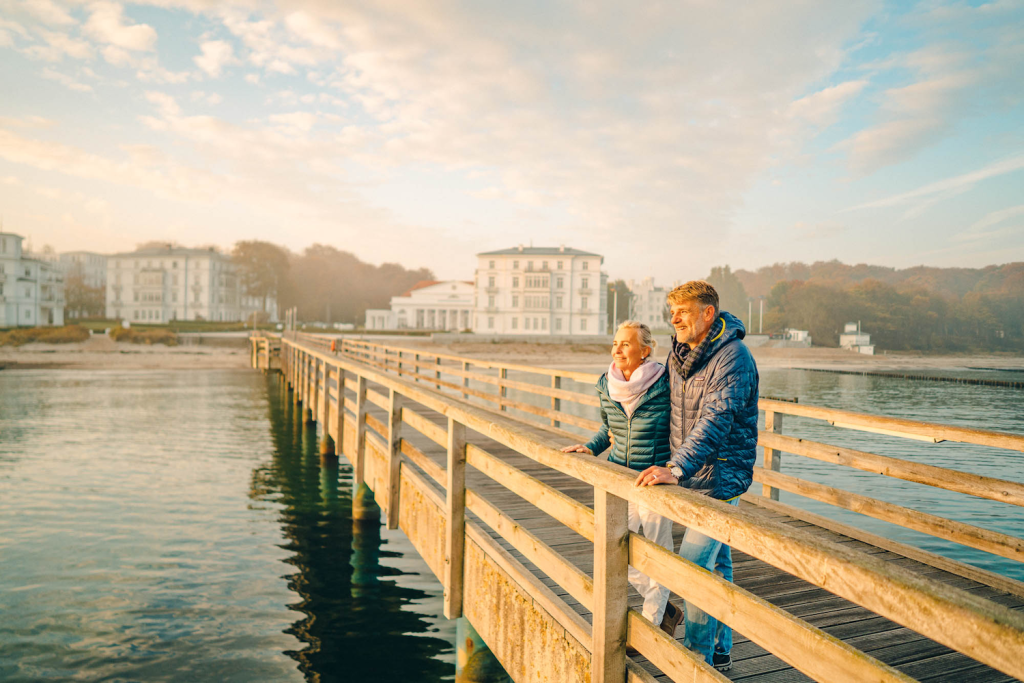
[(531, 544)]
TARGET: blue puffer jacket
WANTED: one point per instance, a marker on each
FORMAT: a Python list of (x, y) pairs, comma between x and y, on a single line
[(714, 417), (641, 440)]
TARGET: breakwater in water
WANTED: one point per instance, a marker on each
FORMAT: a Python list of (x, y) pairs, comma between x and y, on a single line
[(1012, 384)]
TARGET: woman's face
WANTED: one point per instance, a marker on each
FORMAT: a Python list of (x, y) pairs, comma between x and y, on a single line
[(627, 353)]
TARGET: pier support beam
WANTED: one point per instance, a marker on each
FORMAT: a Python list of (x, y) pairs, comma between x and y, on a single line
[(455, 512), (394, 457), (365, 543), (474, 661)]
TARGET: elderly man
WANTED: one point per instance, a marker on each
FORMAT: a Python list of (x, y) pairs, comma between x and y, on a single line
[(713, 436)]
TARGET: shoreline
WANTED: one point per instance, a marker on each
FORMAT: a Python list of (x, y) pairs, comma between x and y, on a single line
[(100, 352)]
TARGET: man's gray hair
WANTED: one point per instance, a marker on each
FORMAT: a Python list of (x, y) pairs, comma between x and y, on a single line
[(643, 333)]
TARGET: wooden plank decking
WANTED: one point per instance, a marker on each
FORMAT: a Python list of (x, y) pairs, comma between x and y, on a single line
[(911, 653)]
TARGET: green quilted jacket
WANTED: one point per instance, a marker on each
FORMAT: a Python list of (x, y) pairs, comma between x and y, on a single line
[(641, 440)]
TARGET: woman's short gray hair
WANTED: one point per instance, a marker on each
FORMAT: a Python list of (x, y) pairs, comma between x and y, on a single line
[(643, 333)]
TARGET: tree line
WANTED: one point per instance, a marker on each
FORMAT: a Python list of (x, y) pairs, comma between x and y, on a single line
[(325, 283), (922, 308)]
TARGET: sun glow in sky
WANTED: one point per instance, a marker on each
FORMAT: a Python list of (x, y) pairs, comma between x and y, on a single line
[(668, 136)]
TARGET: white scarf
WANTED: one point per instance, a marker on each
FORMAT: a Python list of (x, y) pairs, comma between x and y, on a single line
[(629, 392)]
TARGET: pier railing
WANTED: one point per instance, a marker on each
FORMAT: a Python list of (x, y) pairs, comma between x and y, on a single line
[(430, 501)]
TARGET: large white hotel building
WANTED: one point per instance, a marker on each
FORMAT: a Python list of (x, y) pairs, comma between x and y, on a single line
[(540, 291), (159, 284)]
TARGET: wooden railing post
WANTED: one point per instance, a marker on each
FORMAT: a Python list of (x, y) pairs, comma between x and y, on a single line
[(394, 457), (556, 403), (502, 389), (465, 380), (611, 562), (455, 513), (358, 468), (772, 457), (416, 360), (437, 373)]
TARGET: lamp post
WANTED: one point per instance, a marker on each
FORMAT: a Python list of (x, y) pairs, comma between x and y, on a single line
[(760, 316)]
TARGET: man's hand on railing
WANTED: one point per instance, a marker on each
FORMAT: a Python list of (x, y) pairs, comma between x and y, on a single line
[(577, 448), (654, 475)]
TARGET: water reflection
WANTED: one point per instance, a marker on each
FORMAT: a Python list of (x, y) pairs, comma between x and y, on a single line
[(358, 619)]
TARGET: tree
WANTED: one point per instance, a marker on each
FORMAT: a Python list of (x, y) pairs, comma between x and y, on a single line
[(262, 269), (82, 301), (732, 296)]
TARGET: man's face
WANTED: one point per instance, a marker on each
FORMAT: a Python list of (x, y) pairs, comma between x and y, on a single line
[(691, 321)]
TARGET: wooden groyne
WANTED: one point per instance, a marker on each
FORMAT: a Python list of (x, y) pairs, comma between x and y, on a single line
[(1012, 384), (531, 544)]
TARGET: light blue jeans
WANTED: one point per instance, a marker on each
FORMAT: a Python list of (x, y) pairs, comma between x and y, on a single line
[(704, 633)]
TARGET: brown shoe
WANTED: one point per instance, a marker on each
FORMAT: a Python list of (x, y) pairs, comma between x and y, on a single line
[(670, 622)]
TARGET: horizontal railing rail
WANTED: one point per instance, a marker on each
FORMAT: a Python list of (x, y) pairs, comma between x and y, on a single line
[(404, 476), (407, 362)]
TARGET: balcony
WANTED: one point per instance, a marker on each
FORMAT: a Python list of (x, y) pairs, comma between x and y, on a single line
[(585, 291)]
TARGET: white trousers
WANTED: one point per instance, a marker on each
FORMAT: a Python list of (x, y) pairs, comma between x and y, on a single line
[(659, 530)]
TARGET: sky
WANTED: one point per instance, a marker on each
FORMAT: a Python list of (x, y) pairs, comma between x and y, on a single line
[(670, 137)]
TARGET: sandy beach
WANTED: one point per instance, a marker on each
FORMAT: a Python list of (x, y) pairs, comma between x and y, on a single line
[(101, 352)]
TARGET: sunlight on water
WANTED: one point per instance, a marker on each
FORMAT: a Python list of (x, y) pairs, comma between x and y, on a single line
[(177, 526)]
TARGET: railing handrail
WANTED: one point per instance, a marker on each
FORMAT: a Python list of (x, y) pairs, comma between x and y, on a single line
[(982, 629)]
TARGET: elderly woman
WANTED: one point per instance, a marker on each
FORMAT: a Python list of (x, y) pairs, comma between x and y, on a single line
[(635, 413)]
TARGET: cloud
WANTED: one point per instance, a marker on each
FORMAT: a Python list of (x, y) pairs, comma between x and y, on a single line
[(947, 187), (26, 122), (969, 65), (821, 109), (985, 229), (57, 46), (65, 80), (216, 54), (106, 24)]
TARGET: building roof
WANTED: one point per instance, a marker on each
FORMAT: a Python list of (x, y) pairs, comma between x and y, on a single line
[(430, 283), (539, 251), (168, 251)]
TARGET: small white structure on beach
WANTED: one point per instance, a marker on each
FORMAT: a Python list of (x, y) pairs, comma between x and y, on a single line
[(798, 338), (427, 305), (854, 340)]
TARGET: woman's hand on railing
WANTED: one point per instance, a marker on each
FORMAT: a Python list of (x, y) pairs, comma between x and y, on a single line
[(655, 475), (577, 448)]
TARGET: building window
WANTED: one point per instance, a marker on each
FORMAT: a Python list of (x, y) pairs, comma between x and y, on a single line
[(560, 283), (558, 324), (490, 281), (490, 323), (543, 265), (515, 323), (526, 323), (559, 265), (584, 282), (490, 264), (558, 302), (586, 265), (174, 264), (543, 323), (490, 301), (515, 281), (529, 265), (583, 303), (515, 265), (583, 324), (515, 301)]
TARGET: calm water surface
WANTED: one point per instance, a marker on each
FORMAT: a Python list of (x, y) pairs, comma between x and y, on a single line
[(177, 526)]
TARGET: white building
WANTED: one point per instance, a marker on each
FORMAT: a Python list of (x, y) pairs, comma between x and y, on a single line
[(31, 290), (855, 340), (540, 291), (159, 284), (649, 304), (428, 305)]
